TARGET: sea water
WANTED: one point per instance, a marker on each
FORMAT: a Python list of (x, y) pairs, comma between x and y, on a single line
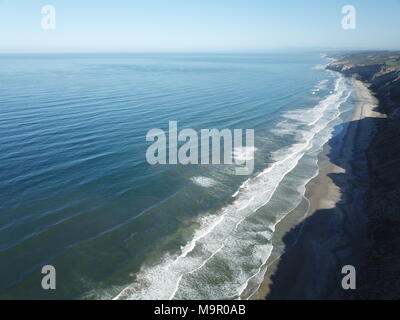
[(77, 193)]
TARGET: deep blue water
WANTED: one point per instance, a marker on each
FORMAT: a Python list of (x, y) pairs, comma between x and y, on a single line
[(76, 191)]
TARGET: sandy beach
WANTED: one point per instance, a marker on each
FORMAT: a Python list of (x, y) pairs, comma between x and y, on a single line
[(310, 251)]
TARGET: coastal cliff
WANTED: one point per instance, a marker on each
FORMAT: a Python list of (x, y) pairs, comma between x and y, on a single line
[(380, 276)]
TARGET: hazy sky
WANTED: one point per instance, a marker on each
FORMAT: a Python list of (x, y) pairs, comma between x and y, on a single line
[(196, 25)]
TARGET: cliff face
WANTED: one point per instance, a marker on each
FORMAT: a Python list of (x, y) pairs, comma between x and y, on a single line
[(383, 77), (380, 278)]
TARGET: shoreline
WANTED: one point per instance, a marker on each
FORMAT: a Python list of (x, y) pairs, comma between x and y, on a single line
[(332, 232)]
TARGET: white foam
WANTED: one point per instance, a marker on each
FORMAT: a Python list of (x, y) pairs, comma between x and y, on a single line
[(320, 66), (312, 115), (245, 153), (322, 85), (221, 240), (203, 181)]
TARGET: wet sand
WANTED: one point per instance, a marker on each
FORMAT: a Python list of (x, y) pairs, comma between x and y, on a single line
[(332, 233)]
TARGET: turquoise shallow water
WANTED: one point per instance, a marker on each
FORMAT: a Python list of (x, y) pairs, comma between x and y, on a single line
[(76, 190)]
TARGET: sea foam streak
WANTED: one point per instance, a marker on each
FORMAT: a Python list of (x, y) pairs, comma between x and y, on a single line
[(203, 181), (224, 241)]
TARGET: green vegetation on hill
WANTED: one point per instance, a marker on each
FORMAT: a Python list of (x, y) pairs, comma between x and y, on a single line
[(367, 58)]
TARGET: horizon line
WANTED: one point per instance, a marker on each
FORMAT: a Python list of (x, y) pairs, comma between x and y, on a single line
[(204, 51)]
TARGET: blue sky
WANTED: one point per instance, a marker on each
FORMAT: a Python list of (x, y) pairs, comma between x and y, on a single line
[(196, 25)]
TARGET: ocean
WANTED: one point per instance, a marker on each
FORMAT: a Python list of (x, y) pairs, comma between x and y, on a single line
[(76, 191)]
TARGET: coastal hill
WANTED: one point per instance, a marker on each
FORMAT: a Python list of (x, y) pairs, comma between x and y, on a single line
[(380, 277), (380, 69)]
